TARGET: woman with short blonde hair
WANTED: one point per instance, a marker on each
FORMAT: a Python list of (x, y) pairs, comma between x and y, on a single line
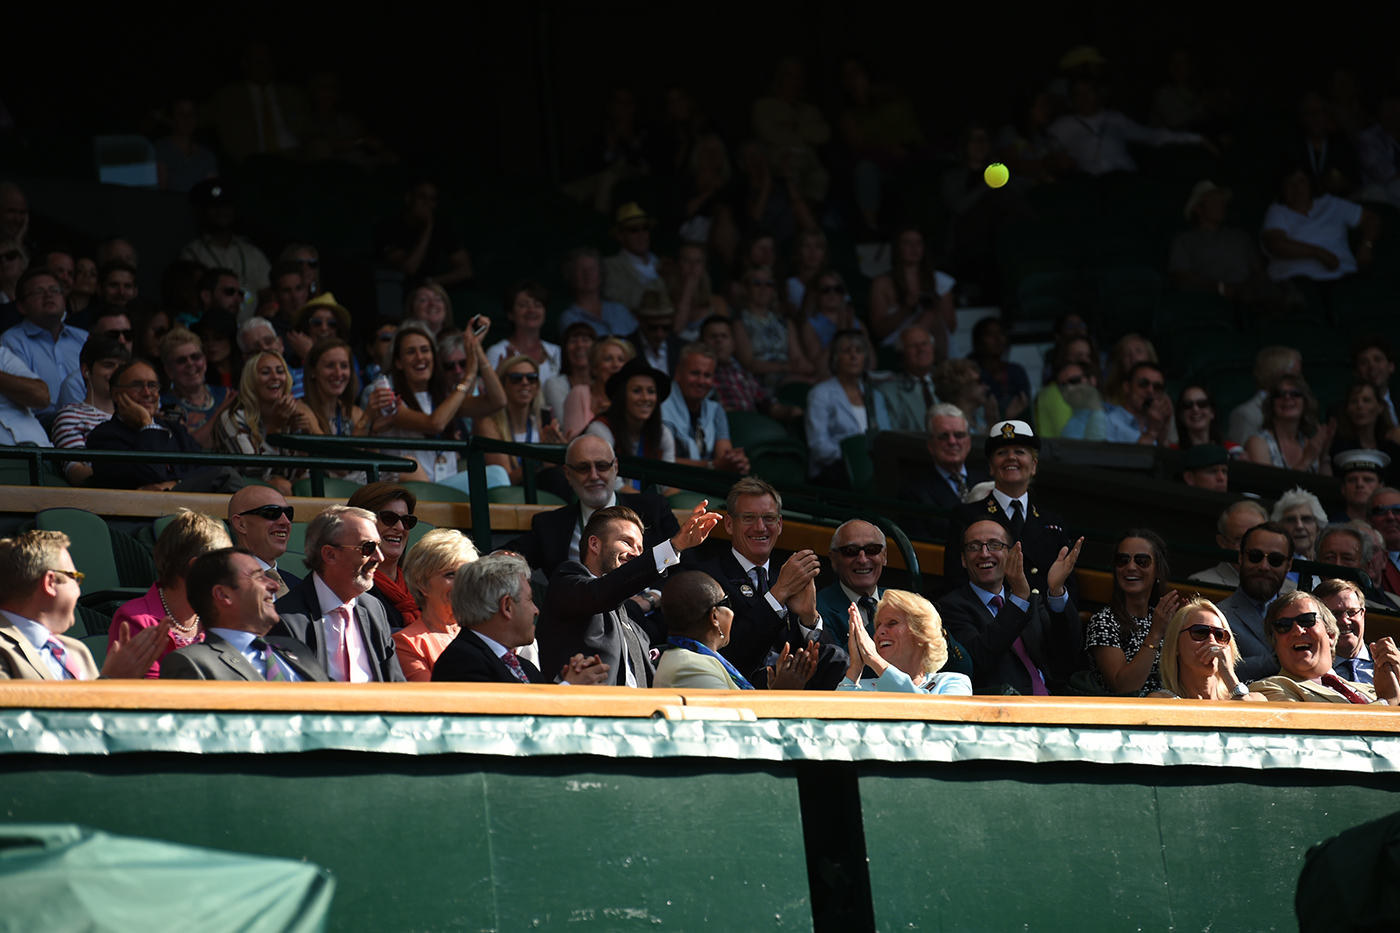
[(907, 652), (429, 570)]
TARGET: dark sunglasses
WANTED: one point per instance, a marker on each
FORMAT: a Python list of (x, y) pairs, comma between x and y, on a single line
[(1288, 393), (231, 290), (855, 550), (583, 469), (1201, 403), (1150, 384), (1378, 511), (10, 255), (1202, 632), (126, 334), (272, 512), (726, 603), (367, 548), (313, 263), (1124, 558), (1284, 624), (389, 519), (831, 290), (518, 378), (1255, 556)]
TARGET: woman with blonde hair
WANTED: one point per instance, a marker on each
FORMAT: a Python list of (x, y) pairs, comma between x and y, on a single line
[(586, 402), (199, 404), (907, 652), (429, 570), (1197, 659), (265, 406), (188, 535), (430, 304), (519, 420)]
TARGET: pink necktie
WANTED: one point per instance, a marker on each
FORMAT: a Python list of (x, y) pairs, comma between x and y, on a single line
[(343, 649), (1339, 685), (61, 656), (513, 662), (1018, 646)]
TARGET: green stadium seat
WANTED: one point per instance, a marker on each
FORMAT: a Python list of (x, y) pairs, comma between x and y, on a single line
[(296, 537), (335, 488), (794, 393), (101, 554), (1231, 384), (748, 428), (781, 466), (16, 473), (516, 495), (860, 468), (435, 492), (294, 562)]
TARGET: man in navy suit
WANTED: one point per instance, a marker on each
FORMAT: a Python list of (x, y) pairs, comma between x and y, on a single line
[(234, 597), (949, 442), (493, 602), (331, 611), (261, 521), (1017, 638)]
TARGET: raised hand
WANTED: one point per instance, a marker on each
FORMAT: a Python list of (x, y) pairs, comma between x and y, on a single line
[(696, 528), (1016, 580), (1063, 566), (861, 646), (797, 571)]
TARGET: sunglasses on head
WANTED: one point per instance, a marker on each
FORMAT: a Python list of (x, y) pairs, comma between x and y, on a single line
[(1255, 556), (1284, 624), (855, 550), (1123, 559), (272, 512), (518, 378), (1202, 632), (389, 519)]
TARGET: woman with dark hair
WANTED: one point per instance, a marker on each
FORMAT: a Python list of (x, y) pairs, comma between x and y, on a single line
[(912, 292), (149, 325), (524, 304), (632, 423), (1291, 438), (840, 407), (332, 387), (1008, 382), (810, 258), (1124, 638), (428, 407), (1363, 423), (578, 339), (826, 311), (374, 355), (1306, 234), (218, 331), (520, 420), (392, 506), (1198, 420)]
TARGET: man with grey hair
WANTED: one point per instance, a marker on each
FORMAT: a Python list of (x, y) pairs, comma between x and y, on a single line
[(331, 611), (698, 423), (591, 468), (494, 604), (1237, 518), (910, 393), (949, 443), (257, 334)]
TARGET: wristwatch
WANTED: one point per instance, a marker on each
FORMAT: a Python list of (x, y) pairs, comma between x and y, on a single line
[(1240, 692)]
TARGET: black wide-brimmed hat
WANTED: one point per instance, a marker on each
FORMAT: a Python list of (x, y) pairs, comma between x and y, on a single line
[(638, 366)]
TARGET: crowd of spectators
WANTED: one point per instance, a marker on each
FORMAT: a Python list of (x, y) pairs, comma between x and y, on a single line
[(723, 296)]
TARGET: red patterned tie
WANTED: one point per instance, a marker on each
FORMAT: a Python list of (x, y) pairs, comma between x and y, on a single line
[(1339, 685), (513, 662)]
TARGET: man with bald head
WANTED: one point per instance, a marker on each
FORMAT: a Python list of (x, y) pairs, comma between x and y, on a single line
[(261, 521), (858, 555)]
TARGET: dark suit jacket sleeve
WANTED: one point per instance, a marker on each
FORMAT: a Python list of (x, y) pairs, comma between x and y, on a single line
[(528, 545), (570, 618), (379, 640), (178, 666), (1065, 635), (300, 657), (986, 646)]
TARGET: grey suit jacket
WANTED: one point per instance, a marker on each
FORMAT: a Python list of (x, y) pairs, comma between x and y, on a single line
[(216, 659), (303, 619), (1257, 659), (19, 660)]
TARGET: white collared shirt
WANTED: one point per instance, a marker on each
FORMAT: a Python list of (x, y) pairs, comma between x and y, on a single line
[(360, 670), (647, 268), (1005, 501), (585, 513)]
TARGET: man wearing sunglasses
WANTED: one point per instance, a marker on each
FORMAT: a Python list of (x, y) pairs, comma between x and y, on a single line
[(110, 323), (262, 521), (949, 442), (331, 611), (221, 289), (44, 343), (635, 268), (655, 337), (591, 469), (1384, 516), (1145, 417), (1265, 559), (1301, 631)]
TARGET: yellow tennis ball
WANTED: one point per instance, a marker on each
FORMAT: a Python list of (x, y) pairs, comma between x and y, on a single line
[(996, 175)]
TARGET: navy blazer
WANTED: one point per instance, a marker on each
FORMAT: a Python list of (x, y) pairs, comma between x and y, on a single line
[(933, 489), (1257, 658), (1054, 640), (1041, 539), (470, 660), (303, 618)]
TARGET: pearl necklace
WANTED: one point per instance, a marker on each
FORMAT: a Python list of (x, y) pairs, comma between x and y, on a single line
[(184, 629)]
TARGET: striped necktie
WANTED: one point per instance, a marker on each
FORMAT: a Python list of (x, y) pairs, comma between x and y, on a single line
[(274, 668)]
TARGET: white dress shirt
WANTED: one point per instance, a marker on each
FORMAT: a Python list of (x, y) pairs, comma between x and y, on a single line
[(360, 670)]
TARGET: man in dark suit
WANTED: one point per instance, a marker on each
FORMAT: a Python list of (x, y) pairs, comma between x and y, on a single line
[(331, 611), (234, 597), (493, 602), (1029, 641), (949, 442), (769, 609), (591, 467), (1012, 451), (261, 521), (583, 611), (1265, 560)]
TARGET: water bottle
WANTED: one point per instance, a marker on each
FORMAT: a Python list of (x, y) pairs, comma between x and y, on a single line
[(382, 380)]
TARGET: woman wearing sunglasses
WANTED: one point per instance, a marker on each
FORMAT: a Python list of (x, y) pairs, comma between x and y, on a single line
[(196, 403), (1301, 631), (1124, 639), (907, 653), (1198, 421), (1291, 438), (1199, 656), (393, 507), (520, 420)]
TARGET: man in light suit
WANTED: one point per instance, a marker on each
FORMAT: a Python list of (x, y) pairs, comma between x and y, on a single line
[(949, 442), (910, 393), (583, 612), (36, 607), (1266, 556), (635, 269), (331, 611), (234, 597), (493, 602), (591, 467), (1013, 452), (1031, 642), (261, 521)]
